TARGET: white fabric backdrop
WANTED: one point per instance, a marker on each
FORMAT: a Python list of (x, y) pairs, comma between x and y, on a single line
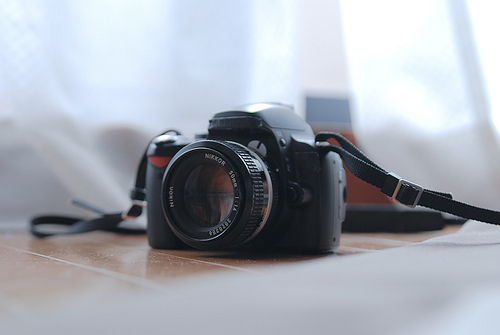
[(84, 85), (425, 89)]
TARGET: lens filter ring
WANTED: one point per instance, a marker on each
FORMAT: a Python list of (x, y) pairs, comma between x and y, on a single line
[(216, 194)]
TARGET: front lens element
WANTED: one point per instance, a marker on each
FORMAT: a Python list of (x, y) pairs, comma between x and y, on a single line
[(208, 195)]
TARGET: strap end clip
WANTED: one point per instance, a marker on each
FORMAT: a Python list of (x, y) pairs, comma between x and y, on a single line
[(135, 210), (405, 192)]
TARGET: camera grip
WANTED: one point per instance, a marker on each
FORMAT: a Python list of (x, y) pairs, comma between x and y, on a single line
[(333, 199)]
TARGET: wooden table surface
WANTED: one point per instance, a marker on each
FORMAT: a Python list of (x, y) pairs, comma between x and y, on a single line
[(40, 273)]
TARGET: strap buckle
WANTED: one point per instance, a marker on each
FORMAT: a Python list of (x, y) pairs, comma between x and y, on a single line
[(406, 186), (135, 210)]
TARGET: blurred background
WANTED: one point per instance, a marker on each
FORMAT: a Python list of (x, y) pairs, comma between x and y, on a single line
[(84, 85)]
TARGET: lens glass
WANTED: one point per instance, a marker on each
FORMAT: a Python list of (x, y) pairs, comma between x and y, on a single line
[(208, 195)]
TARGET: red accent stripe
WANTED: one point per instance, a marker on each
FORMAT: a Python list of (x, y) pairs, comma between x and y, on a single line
[(159, 162)]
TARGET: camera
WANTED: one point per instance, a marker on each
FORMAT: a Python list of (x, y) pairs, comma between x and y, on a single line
[(257, 181)]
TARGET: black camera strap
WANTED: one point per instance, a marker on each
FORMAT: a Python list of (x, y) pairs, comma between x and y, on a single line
[(106, 221), (399, 190)]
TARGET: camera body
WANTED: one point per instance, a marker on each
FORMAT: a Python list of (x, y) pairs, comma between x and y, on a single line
[(256, 182)]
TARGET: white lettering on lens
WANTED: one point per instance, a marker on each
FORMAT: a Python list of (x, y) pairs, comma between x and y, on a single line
[(171, 196), (236, 204), (220, 229), (215, 158), (232, 175)]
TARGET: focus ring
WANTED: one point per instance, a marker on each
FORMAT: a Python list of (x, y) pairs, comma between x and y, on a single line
[(257, 202)]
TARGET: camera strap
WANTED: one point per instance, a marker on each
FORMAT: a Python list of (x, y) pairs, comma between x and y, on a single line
[(399, 190), (106, 221)]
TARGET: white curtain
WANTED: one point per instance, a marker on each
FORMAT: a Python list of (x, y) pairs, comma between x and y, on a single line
[(84, 85), (425, 79)]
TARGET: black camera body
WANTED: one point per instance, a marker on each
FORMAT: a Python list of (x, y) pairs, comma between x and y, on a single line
[(257, 182)]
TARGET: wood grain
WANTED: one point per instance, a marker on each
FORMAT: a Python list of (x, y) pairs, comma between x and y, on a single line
[(42, 273)]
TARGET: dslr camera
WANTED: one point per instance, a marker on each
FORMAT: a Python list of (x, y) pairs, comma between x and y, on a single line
[(256, 181)]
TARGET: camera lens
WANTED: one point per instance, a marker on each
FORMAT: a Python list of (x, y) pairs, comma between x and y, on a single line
[(217, 194), (208, 195)]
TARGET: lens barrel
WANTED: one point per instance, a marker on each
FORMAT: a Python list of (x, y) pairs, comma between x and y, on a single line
[(217, 194)]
